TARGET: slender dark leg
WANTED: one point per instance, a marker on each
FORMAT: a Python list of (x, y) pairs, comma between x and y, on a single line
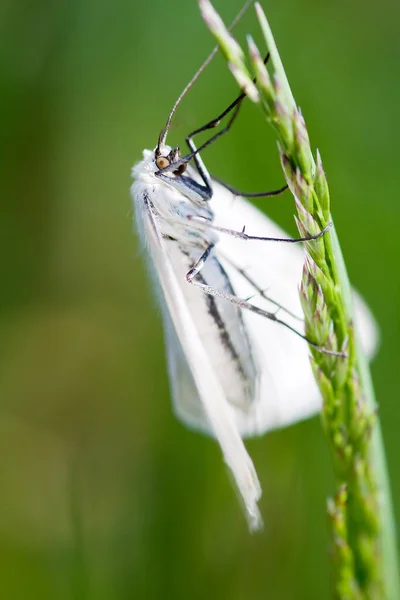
[(261, 292), (236, 192), (242, 235), (216, 121), (245, 304), (204, 174), (199, 264), (194, 152), (235, 105)]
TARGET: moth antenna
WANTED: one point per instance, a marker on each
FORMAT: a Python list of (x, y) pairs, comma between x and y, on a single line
[(164, 132)]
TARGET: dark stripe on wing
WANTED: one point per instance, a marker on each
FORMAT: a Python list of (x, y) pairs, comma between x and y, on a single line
[(213, 310)]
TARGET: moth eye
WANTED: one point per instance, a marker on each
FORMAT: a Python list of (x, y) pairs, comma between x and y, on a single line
[(162, 162), (181, 169)]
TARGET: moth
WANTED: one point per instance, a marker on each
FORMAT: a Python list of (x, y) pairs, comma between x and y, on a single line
[(227, 280)]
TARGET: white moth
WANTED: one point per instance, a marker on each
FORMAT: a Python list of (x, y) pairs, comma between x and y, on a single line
[(233, 373)]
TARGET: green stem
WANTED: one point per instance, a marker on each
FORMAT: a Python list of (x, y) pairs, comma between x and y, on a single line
[(388, 529), (361, 515), (377, 458)]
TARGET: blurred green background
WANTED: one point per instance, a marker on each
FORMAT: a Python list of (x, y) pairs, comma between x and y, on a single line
[(103, 494)]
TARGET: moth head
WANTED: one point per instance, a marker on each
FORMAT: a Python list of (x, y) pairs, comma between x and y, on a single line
[(164, 160)]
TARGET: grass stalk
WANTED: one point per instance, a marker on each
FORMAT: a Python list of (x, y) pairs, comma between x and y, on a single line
[(364, 552)]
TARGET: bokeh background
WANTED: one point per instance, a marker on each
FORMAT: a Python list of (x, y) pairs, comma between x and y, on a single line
[(103, 494)]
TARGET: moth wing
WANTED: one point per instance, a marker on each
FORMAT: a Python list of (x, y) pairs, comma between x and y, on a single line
[(287, 390), (186, 401), (214, 405)]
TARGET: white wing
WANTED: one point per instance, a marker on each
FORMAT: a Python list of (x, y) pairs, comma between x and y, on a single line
[(288, 391), (215, 409), (185, 397)]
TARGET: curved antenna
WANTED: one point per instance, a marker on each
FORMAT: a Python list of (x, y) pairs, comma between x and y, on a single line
[(164, 132)]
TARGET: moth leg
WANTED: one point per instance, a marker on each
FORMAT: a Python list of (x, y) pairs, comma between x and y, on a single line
[(207, 289), (207, 189), (245, 304), (198, 161), (188, 187), (198, 265), (194, 152), (234, 106), (261, 292), (244, 236), (178, 166), (201, 168), (217, 120), (237, 192)]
